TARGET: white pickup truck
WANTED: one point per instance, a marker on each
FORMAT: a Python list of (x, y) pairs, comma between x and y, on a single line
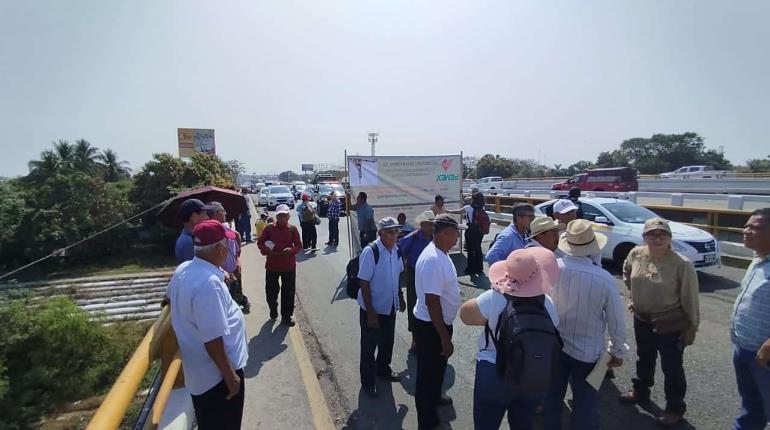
[(490, 184), (697, 172)]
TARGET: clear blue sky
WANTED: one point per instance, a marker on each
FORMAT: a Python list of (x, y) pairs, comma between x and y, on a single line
[(286, 82)]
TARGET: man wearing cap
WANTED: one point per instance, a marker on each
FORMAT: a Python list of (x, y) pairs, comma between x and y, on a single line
[(191, 213), (564, 211), (589, 305), (232, 265), (438, 299), (544, 233), (512, 237), (378, 298), (280, 242), (210, 330), (411, 247)]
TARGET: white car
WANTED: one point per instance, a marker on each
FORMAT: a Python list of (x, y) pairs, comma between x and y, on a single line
[(262, 201), (489, 184), (279, 195), (705, 172), (622, 222)]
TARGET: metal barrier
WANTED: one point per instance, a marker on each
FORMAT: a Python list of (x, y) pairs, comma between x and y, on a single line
[(158, 344)]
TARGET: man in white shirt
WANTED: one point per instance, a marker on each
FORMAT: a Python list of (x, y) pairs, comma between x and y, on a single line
[(210, 330), (378, 298), (438, 299), (589, 305)]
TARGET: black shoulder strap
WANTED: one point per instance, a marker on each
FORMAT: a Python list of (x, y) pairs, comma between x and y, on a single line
[(375, 252)]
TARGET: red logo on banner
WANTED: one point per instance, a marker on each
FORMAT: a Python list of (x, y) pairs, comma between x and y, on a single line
[(446, 163)]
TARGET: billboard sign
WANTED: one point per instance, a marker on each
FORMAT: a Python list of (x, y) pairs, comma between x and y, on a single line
[(194, 140), (307, 167)]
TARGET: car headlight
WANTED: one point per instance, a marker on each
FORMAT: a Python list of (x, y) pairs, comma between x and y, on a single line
[(679, 247)]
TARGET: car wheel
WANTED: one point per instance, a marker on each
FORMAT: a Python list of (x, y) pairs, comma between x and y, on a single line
[(621, 252)]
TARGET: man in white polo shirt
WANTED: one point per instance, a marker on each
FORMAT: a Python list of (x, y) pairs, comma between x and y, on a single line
[(210, 330), (438, 299)]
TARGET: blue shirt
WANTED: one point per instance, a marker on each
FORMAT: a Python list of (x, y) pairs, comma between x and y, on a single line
[(185, 247), (231, 263), (412, 246), (366, 218), (507, 241), (750, 327), (383, 278), (334, 209)]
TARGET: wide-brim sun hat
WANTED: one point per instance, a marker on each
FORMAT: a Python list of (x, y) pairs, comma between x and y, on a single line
[(426, 216), (282, 209), (527, 272), (540, 225), (580, 240)]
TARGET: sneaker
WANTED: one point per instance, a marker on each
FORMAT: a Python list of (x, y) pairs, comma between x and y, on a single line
[(390, 377), (631, 396), (246, 309), (668, 419)]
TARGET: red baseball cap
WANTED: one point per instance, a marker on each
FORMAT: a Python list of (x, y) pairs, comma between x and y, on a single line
[(210, 232)]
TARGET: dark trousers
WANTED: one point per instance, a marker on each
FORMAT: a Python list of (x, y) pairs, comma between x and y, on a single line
[(475, 255), (754, 387), (431, 366), (366, 236), (334, 231), (245, 228), (213, 411), (286, 287), (585, 411), (235, 287), (648, 345), (492, 398), (309, 234), (379, 339), (411, 298)]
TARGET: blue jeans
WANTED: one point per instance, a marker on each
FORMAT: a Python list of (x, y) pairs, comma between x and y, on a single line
[(585, 412), (754, 387), (492, 398)]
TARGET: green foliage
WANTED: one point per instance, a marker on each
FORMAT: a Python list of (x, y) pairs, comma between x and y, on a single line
[(52, 353), (158, 180), (206, 169), (13, 213), (287, 176), (759, 165), (663, 153)]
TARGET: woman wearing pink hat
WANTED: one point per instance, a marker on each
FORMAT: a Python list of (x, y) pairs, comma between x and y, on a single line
[(516, 312)]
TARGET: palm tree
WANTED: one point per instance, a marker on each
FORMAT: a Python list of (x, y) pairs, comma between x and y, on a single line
[(48, 164), (113, 169), (85, 156)]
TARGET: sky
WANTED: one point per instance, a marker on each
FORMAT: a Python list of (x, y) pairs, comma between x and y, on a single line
[(290, 82)]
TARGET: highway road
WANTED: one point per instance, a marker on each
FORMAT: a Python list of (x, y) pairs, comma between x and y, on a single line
[(331, 331), (707, 186)]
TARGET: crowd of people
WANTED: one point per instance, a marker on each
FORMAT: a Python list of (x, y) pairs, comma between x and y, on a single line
[(546, 318)]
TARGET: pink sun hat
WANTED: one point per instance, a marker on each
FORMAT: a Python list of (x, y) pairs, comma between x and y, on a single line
[(527, 272)]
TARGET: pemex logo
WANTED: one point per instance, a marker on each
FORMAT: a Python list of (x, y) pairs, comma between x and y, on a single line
[(446, 164)]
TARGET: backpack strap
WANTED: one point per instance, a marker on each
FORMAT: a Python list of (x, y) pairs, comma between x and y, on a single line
[(375, 252)]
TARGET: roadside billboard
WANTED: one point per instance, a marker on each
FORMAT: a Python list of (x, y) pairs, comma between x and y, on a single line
[(307, 167), (192, 140)]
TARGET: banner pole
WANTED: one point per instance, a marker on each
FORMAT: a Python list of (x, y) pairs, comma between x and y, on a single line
[(462, 202), (347, 207)]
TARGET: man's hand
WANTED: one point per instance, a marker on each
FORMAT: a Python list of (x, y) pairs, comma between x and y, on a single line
[(763, 355), (287, 250), (233, 383), (372, 320), (687, 337), (401, 303), (447, 348), (614, 362)]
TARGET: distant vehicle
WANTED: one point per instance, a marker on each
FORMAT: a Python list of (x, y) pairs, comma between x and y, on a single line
[(298, 190), (705, 172), (619, 179), (323, 177), (277, 195), (258, 186), (490, 184), (622, 222), (322, 197), (467, 185), (262, 201)]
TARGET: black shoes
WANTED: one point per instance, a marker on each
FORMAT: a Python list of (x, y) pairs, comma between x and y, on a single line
[(390, 377), (288, 321), (273, 314), (444, 400)]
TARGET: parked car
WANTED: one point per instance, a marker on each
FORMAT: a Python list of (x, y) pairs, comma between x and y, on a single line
[(619, 179), (322, 197), (697, 172), (489, 184), (262, 201), (279, 194), (622, 222)]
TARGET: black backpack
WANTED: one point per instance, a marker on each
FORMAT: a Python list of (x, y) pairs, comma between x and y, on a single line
[(352, 270), (528, 345)]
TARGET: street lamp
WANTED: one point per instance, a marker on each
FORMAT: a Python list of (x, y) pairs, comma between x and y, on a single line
[(373, 140)]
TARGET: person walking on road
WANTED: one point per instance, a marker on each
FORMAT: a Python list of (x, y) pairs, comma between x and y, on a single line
[(477, 220), (232, 265), (522, 281), (589, 305), (544, 233), (438, 299), (280, 242), (191, 212), (210, 330), (307, 215), (664, 301), (244, 221), (367, 229), (750, 328), (379, 298), (512, 237), (411, 247), (333, 215)]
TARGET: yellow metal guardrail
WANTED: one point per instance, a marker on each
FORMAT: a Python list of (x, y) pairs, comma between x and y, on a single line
[(159, 343)]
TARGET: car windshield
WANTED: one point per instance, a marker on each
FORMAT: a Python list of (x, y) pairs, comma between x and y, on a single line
[(327, 189), (276, 190), (300, 187), (629, 212)]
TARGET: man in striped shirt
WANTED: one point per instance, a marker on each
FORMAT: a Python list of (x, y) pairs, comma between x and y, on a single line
[(589, 305), (333, 215)]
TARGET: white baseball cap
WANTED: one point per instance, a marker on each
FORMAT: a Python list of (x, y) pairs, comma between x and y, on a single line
[(282, 209), (563, 206)]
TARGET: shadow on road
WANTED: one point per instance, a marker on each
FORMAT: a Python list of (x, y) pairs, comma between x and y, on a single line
[(265, 346), (616, 415), (377, 413), (340, 293), (710, 283)]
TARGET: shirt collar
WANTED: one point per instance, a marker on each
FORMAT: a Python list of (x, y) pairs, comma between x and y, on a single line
[(209, 267)]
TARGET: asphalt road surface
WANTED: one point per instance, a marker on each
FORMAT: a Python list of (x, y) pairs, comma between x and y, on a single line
[(708, 186), (332, 334)]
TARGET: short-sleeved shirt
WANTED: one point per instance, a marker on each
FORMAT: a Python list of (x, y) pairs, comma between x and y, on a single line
[(412, 246), (750, 326), (491, 305), (201, 311), (231, 262), (383, 278), (435, 274), (365, 218), (507, 241), (185, 246)]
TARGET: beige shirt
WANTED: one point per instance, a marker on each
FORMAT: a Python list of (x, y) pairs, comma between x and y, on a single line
[(660, 284)]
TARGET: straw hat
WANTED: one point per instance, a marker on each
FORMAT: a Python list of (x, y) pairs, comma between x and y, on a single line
[(527, 272), (542, 224), (426, 216), (580, 240)]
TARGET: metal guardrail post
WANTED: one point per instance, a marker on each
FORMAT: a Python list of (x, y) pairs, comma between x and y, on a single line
[(497, 204), (677, 199), (735, 203)]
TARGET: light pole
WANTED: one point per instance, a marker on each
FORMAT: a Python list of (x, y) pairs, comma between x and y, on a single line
[(373, 140)]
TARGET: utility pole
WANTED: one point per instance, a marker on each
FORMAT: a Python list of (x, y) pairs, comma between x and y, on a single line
[(373, 140)]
